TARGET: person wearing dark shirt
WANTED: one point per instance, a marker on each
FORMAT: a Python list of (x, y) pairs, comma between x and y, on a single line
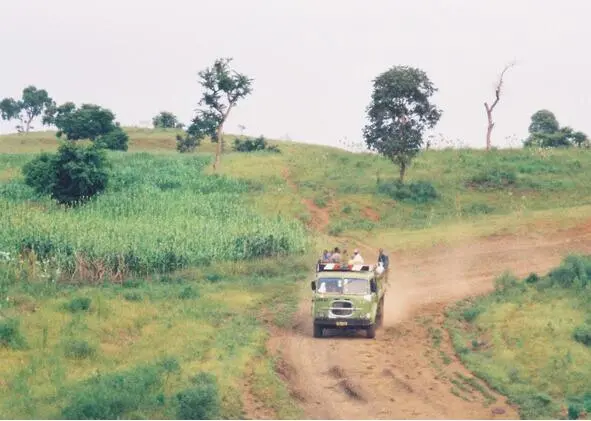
[(383, 259)]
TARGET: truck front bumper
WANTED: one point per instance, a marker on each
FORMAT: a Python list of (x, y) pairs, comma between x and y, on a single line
[(342, 323)]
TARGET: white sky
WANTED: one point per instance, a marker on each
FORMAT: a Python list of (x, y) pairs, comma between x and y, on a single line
[(312, 60)]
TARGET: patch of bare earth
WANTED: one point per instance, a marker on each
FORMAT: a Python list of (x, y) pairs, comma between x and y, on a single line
[(405, 372), (320, 217)]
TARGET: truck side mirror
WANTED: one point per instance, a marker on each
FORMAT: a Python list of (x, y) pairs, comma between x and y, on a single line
[(373, 286), (313, 285)]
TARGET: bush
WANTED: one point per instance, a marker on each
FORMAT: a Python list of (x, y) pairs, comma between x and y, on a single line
[(415, 192), (582, 334), (78, 349), (254, 145), (115, 140), (506, 282), (75, 174), (79, 304), (213, 277), (39, 173), (201, 401), (479, 209), (493, 178), (532, 278), (188, 293), (575, 271), (112, 396), (187, 143), (471, 313), (10, 335)]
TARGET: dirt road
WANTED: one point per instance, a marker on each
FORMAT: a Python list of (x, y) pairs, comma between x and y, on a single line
[(400, 373)]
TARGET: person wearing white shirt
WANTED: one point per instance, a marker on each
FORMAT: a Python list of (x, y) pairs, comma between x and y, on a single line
[(357, 258)]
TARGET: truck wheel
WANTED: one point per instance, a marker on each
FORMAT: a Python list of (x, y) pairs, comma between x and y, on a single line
[(371, 331), (318, 331)]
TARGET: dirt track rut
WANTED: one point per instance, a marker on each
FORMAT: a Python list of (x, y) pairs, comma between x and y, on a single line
[(399, 374)]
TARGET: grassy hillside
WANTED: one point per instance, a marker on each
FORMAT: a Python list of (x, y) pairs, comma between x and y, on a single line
[(197, 258), (530, 339)]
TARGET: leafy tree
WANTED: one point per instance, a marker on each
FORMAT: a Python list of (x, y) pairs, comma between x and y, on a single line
[(87, 122), (223, 88), (399, 113), (73, 175), (543, 121), (166, 120), (31, 105)]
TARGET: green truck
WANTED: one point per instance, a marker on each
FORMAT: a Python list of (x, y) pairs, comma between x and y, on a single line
[(347, 297)]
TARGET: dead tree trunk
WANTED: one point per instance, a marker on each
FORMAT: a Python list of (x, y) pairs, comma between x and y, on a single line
[(489, 108)]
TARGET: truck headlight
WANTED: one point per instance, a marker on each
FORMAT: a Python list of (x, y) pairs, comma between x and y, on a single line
[(367, 315)]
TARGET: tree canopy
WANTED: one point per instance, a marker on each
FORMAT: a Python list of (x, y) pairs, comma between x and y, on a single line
[(399, 112), (89, 121), (32, 104)]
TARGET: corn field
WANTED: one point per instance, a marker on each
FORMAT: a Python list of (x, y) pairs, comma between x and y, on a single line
[(159, 213)]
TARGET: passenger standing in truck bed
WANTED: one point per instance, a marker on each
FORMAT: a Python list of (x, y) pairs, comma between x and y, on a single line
[(336, 256)]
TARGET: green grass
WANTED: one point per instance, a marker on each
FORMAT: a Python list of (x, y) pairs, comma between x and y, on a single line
[(523, 339), (217, 332)]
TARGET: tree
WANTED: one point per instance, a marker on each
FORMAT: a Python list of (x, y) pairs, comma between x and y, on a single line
[(543, 121), (223, 88), (545, 132), (90, 121), (71, 176), (87, 122), (166, 120), (399, 113), (32, 104), (489, 108)]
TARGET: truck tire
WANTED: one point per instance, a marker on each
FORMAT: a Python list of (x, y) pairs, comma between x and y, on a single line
[(371, 331), (318, 331)]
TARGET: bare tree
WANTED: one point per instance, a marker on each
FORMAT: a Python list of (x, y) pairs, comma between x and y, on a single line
[(490, 108)]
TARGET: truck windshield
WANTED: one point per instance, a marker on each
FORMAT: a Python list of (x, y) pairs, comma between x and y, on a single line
[(352, 286)]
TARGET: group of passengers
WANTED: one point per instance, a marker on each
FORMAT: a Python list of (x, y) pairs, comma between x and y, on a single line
[(337, 257)]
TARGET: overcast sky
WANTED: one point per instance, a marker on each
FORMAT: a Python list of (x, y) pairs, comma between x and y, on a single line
[(313, 61)]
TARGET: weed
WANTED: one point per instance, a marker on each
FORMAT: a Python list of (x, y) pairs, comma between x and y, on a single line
[(582, 334), (78, 349), (78, 304), (133, 296), (112, 396), (493, 178), (188, 293), (10, 334), (201, 401), (414, 192)]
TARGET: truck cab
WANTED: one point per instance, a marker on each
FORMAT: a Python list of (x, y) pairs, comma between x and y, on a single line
[(347, 297)]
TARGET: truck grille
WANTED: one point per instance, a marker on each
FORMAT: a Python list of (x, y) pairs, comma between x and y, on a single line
[(342, 308)]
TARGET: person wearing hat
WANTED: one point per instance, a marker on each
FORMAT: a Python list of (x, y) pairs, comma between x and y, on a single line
[(357, 258)]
